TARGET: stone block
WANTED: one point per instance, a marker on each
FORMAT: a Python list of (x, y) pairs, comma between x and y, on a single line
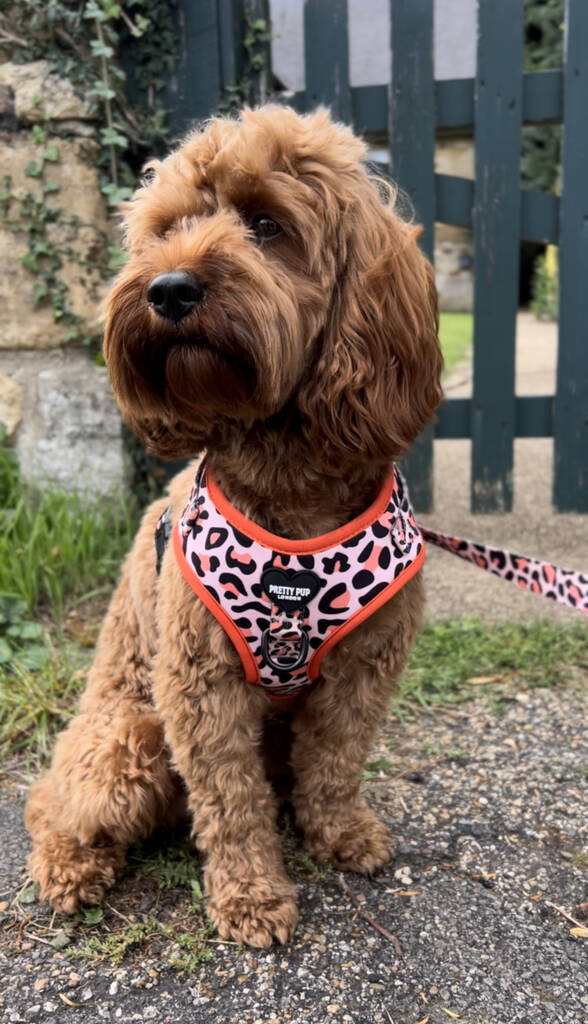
[(70, 429), (41, 95), (11, 396), (25, 324)]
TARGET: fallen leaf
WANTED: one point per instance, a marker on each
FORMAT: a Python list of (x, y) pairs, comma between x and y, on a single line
[(480, 680), (408, 892), (424, 998), (68, 1002), (580, 933), (450, 1013), (425, 1020)]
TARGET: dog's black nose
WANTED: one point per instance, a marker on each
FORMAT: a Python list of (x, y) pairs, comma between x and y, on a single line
[(175, 294)]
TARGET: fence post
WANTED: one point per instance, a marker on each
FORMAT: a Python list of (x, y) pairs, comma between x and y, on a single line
[(571, 403), (411, 133), (498, 113), (327, 70)]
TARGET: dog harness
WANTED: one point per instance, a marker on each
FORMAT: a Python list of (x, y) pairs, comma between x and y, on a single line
[(285, 603)]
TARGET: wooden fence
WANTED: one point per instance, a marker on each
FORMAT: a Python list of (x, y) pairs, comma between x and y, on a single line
[(493, 106)]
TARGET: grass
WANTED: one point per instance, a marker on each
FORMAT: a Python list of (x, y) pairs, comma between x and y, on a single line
[(55, 547), (449, 661), (55, 550), (456, 331)]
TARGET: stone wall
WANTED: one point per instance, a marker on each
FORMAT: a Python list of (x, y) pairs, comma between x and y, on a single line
[(56, 404)]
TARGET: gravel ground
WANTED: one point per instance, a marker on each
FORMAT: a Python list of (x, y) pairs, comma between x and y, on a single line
[(471, 921)]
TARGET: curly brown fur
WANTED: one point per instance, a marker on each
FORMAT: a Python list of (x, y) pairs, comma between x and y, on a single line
[(311, 363)]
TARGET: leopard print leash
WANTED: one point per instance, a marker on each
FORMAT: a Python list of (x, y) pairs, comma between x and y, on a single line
[(566, 586)]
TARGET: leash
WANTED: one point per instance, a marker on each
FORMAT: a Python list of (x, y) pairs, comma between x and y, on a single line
[(565, 586)]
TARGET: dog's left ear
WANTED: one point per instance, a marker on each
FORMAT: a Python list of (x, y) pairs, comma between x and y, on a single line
[(375, 382)]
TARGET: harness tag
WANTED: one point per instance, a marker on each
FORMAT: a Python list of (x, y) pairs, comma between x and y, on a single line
[(290, 590)]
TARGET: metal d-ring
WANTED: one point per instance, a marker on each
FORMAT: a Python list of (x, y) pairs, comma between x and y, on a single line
[(284, 668)]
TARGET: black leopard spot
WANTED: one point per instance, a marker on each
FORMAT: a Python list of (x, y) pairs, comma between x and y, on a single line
[(384, 558), (354, 541), (338, 563), (362, 579), (335, 599), (366, 552), (215, 537), (380, 531), (233, 581), (242, 539), (245, 563), (371, 594), (307, 561)]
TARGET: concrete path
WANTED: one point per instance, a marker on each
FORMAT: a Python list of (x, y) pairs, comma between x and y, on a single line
[(533, 528), (473, 921)]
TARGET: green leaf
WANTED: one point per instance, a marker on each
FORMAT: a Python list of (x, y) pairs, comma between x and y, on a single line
[(38, 134), (30, 895), (110, 137), (33, 169), (51, 186), (30, 630), (102, 91), (101, 49), (116, 193), (117, 257), (33, 657), (29, 262), (40, 291), (5, 652), (92, 915), (51, 154)]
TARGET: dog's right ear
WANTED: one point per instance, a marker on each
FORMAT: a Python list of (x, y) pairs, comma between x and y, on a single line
[(375, 382)]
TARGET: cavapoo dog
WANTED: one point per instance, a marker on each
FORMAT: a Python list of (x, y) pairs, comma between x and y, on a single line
[(277, 315)]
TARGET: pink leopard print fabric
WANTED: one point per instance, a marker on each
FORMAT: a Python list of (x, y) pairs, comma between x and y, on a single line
[(288, 608), (565, 586)]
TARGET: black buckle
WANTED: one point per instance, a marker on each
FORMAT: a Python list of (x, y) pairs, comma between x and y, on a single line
[(162, 534), (276, 665)]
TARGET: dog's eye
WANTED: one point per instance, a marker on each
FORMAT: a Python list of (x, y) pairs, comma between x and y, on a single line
[(264, 228)]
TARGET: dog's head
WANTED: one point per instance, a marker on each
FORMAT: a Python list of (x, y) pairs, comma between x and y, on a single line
[(268, 272)]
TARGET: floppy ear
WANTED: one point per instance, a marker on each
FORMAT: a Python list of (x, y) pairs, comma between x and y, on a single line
[(375, 382)]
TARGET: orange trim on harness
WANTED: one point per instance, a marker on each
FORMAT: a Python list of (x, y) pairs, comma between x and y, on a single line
[(234, 633), (311, 545)]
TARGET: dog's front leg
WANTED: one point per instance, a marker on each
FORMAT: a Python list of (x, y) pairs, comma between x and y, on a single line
[(214, 723), (332, 739)]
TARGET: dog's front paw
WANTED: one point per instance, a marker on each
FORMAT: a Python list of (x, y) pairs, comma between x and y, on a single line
[(254, 911), (359, 843)]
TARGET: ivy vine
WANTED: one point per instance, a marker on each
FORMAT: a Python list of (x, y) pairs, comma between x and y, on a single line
[(86, 42)]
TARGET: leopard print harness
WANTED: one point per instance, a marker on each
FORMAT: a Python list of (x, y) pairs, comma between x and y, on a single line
[(284, 603)]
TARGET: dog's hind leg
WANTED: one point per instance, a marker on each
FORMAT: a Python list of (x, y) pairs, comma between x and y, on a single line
[(110, 782)]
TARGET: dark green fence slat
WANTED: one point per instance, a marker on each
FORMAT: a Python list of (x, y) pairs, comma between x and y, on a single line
[(411, 134), (540, 217), (533, 417), (194, 87), (542, 96), (496, 235), (370, 109), (571, 409), (454, 103), (454, 200), (326, 56)]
